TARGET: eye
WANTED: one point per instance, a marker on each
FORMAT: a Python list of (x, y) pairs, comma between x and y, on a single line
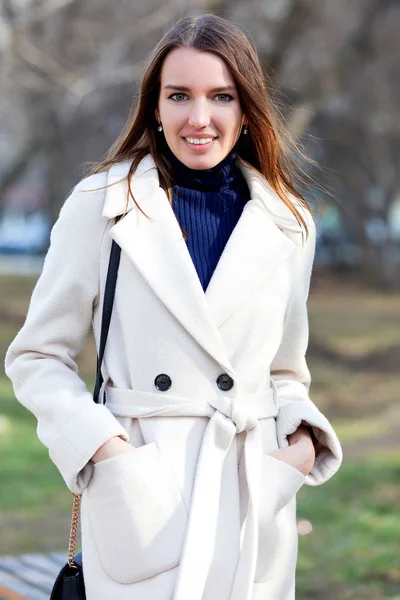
[(178, 96), (224, 97)]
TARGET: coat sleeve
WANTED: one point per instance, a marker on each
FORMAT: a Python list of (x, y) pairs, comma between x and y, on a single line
[(291, 375), (41, 359)]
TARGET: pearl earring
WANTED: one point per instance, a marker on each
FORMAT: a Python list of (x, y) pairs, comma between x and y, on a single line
[(245, 130), (159, 128)]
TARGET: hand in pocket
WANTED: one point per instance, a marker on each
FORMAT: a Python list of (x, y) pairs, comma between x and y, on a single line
[(300, 453), (113, 447)]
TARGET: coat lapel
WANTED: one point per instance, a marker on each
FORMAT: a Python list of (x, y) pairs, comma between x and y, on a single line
[(255, 248), (158, 251)]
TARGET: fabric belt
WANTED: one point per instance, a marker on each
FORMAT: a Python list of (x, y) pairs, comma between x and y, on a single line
[(228, 417)]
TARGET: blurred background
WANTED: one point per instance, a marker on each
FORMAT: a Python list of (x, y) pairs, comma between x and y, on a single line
[(70, 71)]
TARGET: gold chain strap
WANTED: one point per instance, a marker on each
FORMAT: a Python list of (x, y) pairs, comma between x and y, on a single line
[(74, 528)]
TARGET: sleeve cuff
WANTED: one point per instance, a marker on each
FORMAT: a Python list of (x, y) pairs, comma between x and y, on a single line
[(76, 443), (327, 461)]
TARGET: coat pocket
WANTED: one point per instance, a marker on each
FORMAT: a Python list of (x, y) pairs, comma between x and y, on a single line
[(137, 514), (277, 516), (280, 483)]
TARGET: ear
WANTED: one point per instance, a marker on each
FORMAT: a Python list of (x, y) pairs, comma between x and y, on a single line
[(157, 114)]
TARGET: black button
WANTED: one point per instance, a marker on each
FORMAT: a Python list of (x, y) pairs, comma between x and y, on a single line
[(225, 382), (163, 382)]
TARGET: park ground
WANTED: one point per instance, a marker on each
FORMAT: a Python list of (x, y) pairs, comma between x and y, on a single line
[(351, 550)]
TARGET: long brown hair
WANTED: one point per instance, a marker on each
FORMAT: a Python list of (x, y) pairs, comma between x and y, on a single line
[(268, 147)]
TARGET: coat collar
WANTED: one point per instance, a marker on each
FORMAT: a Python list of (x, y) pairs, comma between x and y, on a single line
[(265, 235), (145, 181)]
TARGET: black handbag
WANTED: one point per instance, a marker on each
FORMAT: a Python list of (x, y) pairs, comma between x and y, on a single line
[(69, 584)]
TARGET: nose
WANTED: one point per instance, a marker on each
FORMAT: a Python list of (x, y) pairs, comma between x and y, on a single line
[(199, 115)]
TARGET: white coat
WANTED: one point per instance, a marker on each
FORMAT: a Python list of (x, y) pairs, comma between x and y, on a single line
[(199, 511)]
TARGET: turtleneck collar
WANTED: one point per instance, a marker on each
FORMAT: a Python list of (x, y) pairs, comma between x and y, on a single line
[(217, 178)]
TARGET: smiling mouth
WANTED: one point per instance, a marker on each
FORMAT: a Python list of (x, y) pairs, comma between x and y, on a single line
[(199, 141)]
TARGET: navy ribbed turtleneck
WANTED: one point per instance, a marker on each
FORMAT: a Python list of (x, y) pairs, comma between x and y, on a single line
[(207, 204)]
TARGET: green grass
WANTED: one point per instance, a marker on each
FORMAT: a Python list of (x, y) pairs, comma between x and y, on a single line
[(354, 542)]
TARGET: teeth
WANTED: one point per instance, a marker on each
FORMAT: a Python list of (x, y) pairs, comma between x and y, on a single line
[(199, 141)]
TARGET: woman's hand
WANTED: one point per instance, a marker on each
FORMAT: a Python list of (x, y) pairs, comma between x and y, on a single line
[(112, 447), (301, 450)]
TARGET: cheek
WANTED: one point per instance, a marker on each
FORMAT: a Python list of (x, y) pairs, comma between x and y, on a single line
[(231, 121), (171, 118)]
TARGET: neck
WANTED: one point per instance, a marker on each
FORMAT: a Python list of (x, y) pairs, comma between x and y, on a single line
[(215, 178)]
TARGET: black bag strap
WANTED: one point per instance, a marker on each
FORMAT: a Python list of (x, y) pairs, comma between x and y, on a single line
[(109, 294)]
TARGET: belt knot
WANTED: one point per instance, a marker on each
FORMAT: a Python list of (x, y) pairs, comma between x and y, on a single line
[(236, 412)]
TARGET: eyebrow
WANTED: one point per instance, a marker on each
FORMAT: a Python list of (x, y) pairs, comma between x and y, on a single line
[(213, 90)]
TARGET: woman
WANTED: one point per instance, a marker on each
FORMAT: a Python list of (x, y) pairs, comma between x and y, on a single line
[(189, 468)]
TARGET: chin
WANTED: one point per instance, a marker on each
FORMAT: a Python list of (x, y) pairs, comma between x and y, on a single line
[(199, 162)]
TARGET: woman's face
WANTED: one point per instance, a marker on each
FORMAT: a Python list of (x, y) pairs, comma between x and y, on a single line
[(198, 107)]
